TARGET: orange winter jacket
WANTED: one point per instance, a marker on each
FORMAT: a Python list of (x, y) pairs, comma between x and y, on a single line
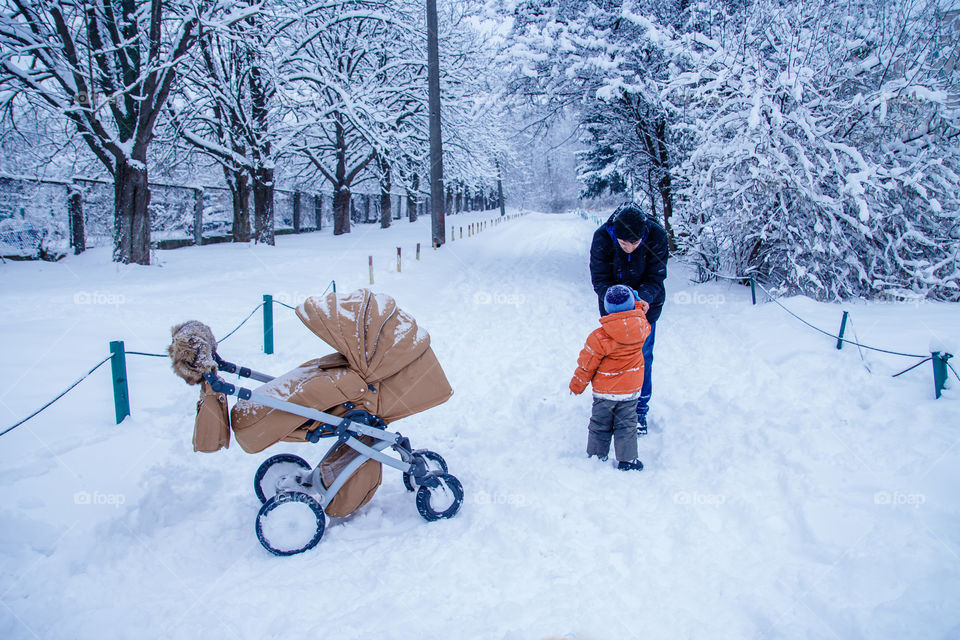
[(613, 356)]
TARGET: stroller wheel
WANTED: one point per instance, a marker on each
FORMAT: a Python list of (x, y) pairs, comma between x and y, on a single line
[(290, 523), (272, 473), (434, 462), (442, 500)]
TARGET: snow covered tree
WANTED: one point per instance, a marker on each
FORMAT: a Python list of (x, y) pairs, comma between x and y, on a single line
[(108, 68), (214, 113), (475, 131), (335, 66), (604, 59), (823, 151)]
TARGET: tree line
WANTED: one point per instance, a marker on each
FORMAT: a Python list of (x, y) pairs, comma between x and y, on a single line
[(335, 90)]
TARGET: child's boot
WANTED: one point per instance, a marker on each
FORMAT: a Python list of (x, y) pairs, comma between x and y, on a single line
[(630, 465)]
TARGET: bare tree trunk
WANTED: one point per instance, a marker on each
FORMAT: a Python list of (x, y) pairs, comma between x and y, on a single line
[(386, 211), (665, 185), (239, 184), (263, 165), (412, 198), (341, 210), (75, 204), (131, 207), (263, 205), (500, 189)]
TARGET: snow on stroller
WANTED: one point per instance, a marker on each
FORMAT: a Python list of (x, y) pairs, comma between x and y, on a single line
[(384, 370)]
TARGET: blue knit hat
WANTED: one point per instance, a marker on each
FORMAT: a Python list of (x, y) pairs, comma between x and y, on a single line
[(619, 298)]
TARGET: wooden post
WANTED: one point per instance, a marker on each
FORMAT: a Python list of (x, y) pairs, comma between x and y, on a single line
[(398, 259), (418, 251), (371, 269)]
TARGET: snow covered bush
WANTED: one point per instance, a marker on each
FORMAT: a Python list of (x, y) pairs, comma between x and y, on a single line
[(821, 146)]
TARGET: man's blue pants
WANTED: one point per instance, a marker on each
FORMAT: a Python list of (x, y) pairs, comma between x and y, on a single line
[(643, 404)]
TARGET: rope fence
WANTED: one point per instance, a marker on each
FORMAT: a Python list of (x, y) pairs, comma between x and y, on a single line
[(118, 355), (63, 393), (940, 359)]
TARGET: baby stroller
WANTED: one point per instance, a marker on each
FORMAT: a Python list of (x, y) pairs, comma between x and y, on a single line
[(384, 370)]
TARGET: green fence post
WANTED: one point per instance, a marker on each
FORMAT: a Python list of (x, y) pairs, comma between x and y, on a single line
[(267, 324), (843, 327), (118, 366), (753, 289), (939, 371)]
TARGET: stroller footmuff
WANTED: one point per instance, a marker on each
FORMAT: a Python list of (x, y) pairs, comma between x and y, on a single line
[(384, 370)]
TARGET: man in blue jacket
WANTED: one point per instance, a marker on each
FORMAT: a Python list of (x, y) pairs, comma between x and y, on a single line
[(631, 249)]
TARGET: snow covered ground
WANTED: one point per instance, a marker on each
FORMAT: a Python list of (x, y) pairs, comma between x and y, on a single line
[(789, 492)]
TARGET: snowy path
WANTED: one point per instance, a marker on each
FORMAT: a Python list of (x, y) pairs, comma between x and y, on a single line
[(788, 492)]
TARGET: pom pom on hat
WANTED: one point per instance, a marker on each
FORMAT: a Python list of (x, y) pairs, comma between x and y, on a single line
[(619, 298)]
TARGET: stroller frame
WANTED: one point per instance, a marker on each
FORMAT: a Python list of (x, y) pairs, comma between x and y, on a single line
[(414, 464)]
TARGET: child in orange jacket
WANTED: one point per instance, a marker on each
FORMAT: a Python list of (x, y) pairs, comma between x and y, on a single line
[(612, 360)]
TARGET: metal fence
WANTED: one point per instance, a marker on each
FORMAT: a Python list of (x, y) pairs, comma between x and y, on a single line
[(35, 215)]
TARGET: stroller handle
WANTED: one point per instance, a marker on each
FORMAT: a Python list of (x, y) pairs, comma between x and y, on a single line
[(344, 429), (243, 372)]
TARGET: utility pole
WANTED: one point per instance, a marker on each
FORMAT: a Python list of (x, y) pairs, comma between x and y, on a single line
[(438, 226)]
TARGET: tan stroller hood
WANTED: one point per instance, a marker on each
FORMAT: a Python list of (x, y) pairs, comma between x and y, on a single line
[(385, 366), (376, 337)]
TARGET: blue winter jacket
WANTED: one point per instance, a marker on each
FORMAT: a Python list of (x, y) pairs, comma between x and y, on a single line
[(644, 270)]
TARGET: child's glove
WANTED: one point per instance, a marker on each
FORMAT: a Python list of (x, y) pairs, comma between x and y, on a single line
[(643, 303), (576, 386)]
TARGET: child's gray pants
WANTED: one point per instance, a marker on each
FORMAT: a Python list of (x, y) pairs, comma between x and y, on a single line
[(617, 419)]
